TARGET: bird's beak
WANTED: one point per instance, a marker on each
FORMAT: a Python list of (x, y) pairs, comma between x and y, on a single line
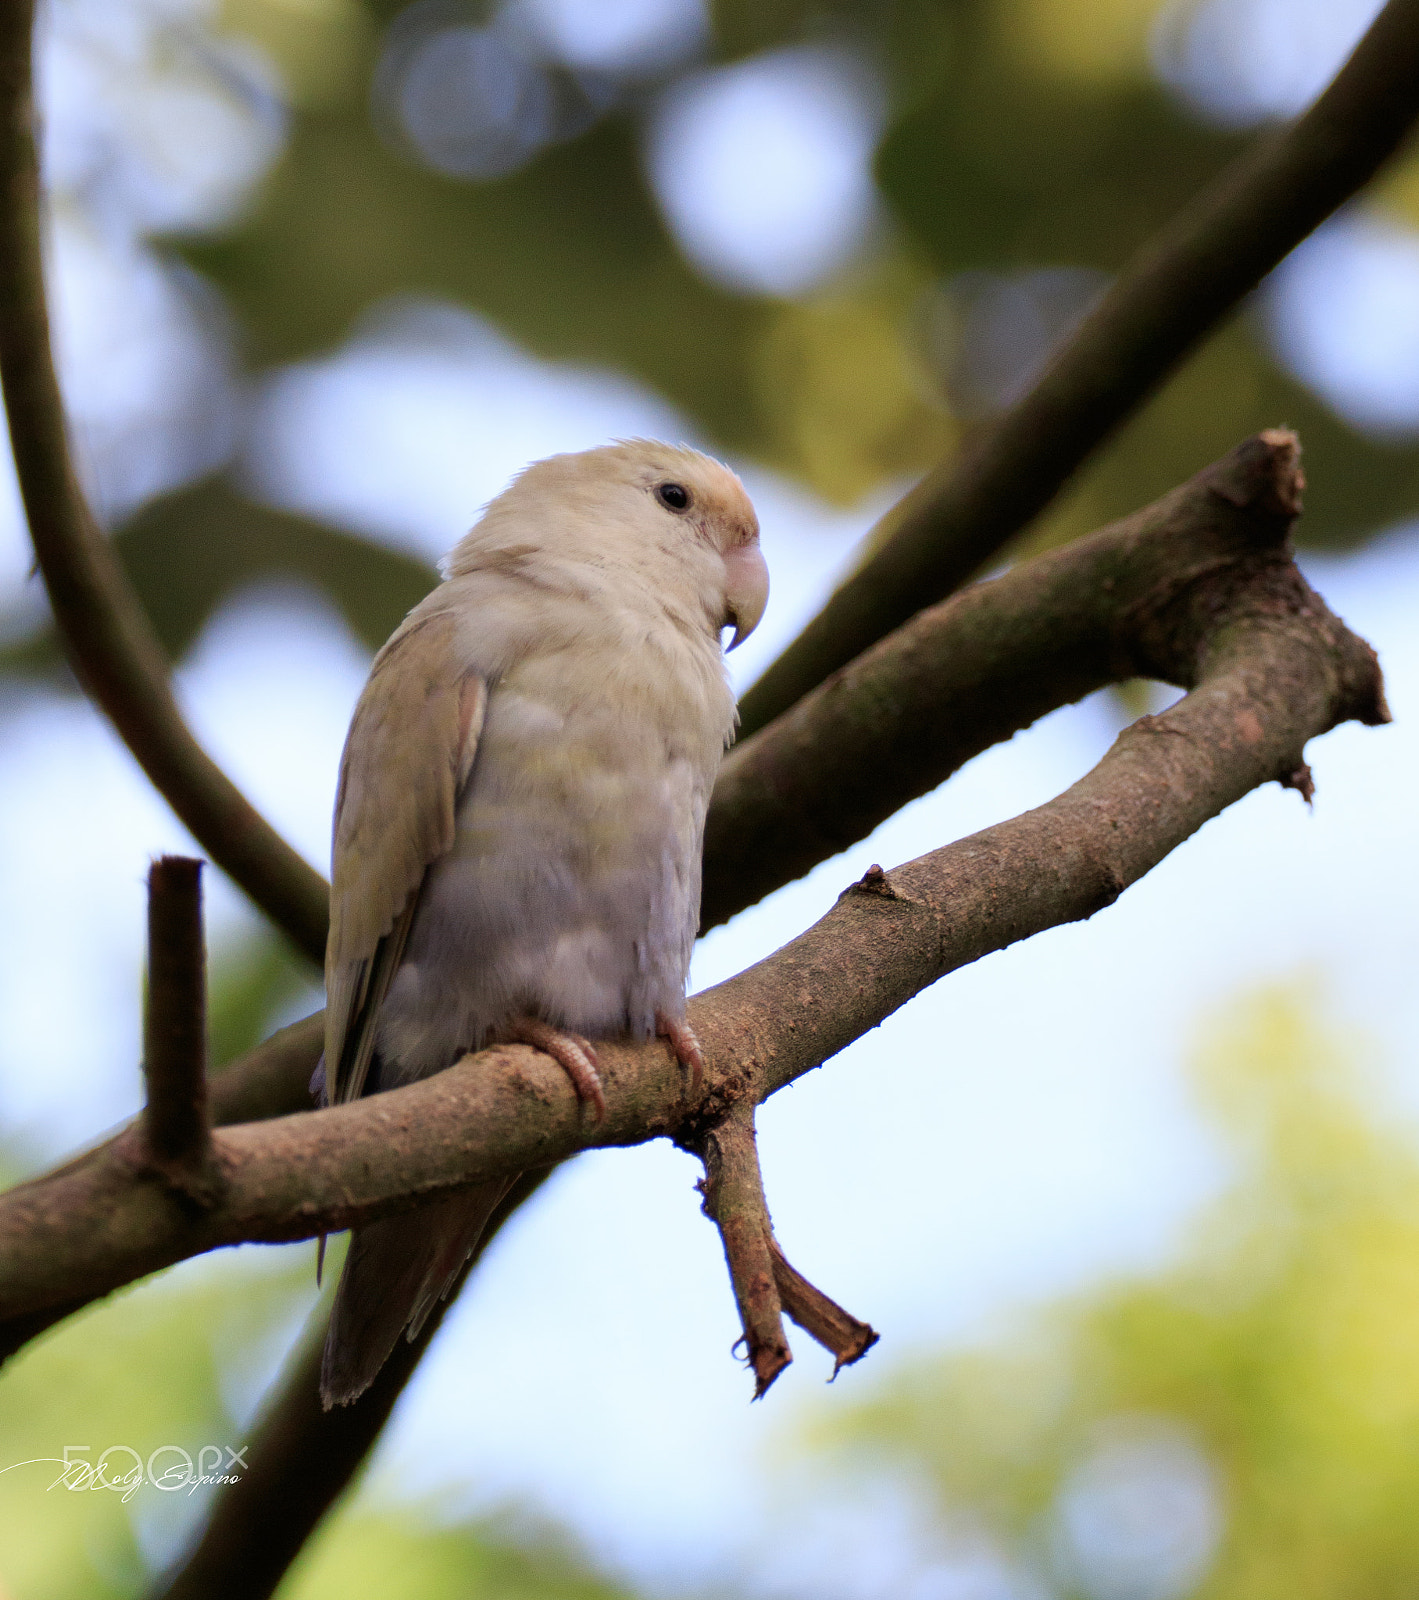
[(746, 589)]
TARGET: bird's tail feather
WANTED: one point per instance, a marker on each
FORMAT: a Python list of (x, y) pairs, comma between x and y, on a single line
[(396, 1271)]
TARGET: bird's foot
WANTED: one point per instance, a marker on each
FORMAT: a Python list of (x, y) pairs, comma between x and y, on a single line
[(570, 1051), (684, 1043)]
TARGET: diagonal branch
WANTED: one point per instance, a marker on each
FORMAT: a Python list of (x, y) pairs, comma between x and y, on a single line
[(1177, 288), (106, 634), (972, 671), (960, 677), (1269, 668), (838, 1331)]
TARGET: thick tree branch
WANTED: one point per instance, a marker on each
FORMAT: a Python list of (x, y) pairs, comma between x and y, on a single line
[(971, 671), (1270, 668), (106, 634), (1173, 292), (272, 1080)]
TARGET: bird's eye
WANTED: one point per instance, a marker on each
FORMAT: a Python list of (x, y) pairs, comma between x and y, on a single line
[(673, 496)]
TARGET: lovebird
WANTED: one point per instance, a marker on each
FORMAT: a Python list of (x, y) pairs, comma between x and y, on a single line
[(520, 815)]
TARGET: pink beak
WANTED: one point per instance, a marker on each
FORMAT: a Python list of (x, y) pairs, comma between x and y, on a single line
[(746, 589)]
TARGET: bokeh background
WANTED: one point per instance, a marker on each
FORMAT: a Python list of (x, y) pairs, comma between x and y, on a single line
[(1135, 1205)]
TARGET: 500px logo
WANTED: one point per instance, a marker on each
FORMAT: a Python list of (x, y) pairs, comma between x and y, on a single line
[(121, 1470)]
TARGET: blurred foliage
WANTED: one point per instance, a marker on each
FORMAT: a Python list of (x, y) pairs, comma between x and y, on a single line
[(413, 1554), (1021, 134), (1021, 139), (161, 1364), (254, 983), (181, 1362), (190, 551), (1012, 158), (1275, 1366)]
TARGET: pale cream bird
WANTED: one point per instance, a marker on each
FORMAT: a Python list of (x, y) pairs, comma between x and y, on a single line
[(520, 814)]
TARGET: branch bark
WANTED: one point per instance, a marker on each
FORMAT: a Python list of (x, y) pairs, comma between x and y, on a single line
[(765, 1284), (1269, 668), (973, 670), (1174, 291), (734, 1201), (838, 1331), (106, 634), (176, 1128)]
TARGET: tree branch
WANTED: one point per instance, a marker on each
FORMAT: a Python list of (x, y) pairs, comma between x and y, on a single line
[(273, 1080), (107, 636), (765, 1284), (1174, 291), (733, 1190), (176, 1129), (1269, 668), (838, 1331), (973, 670)]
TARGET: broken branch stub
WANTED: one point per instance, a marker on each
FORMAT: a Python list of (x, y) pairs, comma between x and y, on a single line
[(765, 1283), (734, 1201), (176, 1126)]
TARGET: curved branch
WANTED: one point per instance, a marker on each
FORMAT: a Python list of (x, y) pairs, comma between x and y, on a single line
[(1174, 291), (1271, 668), (106, 634)]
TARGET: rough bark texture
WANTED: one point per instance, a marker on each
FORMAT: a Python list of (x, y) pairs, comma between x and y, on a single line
[(734, 1201), (838, 1331), (1176, 290), (1270, 668), (968, 673)]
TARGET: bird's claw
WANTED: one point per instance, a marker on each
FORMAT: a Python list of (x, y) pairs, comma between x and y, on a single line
[(570, 1051), (685, 1045)]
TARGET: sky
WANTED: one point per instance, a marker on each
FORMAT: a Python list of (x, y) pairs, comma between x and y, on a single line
[(1051, 1137)]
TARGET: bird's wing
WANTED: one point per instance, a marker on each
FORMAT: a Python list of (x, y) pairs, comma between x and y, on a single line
[(410, 750)]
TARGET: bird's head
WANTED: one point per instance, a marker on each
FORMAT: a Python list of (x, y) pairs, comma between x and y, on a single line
[(665, 514)]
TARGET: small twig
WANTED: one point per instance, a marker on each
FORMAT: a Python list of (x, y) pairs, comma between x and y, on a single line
[(1175, 290), (177, 1128), (734, 1202), (819, 1317)]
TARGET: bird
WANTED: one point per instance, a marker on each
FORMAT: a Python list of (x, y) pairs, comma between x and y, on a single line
[(519, 818)]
